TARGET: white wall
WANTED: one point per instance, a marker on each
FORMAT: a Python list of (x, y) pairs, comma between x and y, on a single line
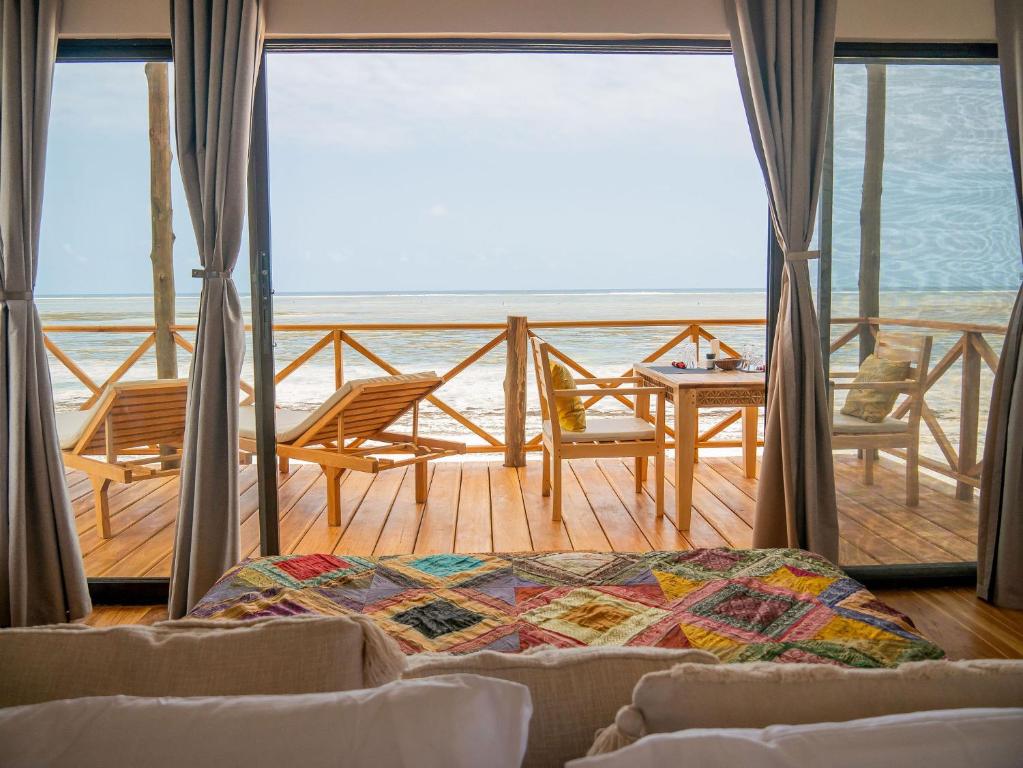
[(864, 20)]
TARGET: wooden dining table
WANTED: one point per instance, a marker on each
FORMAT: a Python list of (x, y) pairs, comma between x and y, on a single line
[(692, 389)]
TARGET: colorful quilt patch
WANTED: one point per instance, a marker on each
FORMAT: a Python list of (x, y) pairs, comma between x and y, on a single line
[(779, 605)]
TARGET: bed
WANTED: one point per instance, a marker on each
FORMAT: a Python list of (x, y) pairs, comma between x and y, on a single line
[(782, 605)]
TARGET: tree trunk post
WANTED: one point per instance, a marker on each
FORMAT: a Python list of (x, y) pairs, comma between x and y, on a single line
[(515, 392), (870, 205), (162, 253)]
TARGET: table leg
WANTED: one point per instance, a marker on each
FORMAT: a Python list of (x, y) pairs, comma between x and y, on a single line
[(750, 415), (685, 445)]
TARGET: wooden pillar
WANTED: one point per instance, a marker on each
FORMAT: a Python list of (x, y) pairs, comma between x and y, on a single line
[(515, 392), (339, 360), (969, 415), (161, 214), (870, 205)]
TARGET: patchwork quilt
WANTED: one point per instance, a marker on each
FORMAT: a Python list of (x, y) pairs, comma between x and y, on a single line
[(781, 605)]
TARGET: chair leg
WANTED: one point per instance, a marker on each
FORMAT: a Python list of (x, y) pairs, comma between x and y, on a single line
[(333, 477), (913, 476), (868, 466), (640, 471), (100, 486), (545, 483), (420, 471), (659, 482), (556, 488), (283, 465)]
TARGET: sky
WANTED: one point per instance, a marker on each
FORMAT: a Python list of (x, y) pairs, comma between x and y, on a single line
[(485, 172), (406, 172)]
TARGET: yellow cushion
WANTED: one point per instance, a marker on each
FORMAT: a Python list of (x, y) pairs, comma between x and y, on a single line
[(571, 414), (870, 404)]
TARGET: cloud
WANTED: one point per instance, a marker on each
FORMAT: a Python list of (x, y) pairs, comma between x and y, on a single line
[(438, 210), (376, 102)]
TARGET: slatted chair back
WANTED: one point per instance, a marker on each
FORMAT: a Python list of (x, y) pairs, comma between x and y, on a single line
[(367, 408), (137, 414), (545, 383), (911, 348)]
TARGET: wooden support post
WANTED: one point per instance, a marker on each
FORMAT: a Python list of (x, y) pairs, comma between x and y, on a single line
[(515, 392), (969, 414), (870, 204), (339, 360), (161, 215)]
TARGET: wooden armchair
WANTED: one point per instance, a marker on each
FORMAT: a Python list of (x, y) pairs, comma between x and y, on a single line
[(868, 437), (604, 436)]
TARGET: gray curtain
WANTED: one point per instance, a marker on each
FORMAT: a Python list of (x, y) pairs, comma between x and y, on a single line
[(42, 580), (1000, 542), (217, 48), (784, 54)]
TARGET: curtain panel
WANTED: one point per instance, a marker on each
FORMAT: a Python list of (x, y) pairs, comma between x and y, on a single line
[(217, 48), (1000, 539), (42, 580), (784, 59)]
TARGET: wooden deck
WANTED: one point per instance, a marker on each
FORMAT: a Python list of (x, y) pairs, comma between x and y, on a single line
[(481, 506)]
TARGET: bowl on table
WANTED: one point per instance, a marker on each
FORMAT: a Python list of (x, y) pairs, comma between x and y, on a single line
[(728, 363)]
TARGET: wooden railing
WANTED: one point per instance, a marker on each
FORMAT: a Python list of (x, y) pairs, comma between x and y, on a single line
[(969, 348), (338, 337)]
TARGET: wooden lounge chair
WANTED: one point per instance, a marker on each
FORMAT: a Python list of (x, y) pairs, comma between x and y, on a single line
[(138, 418), (604, 436), (335, 434), (890, 432)]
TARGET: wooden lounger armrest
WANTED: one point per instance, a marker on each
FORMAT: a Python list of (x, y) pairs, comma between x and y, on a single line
[(880, 386), (610, 391)]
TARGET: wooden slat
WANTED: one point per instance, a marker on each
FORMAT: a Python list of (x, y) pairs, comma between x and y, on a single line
[(473, 532), (363, 533), (402, 527), (437, 529), (508, 511)]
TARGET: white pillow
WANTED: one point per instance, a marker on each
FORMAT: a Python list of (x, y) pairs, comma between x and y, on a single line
[(447, 722), (951, 738)]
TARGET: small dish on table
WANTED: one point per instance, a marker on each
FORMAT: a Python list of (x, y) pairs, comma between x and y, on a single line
[(727, 363)]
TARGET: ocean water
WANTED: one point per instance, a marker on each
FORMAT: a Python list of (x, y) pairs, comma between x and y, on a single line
[(478, 391)]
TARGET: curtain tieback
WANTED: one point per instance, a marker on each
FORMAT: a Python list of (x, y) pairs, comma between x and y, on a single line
[(802, 255), (15, 295), (211, 274)]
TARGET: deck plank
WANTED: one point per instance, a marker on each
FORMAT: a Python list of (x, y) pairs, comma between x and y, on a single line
[(440, 516), (401, 529), (545, 534), (660, 532), (473, 531), (362, 534), (508, 511)]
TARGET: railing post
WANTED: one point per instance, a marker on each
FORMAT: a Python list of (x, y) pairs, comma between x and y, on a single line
[(969, 415), (515, 392), (339, 360)]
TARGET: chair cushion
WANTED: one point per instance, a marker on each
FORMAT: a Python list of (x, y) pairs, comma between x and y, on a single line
[(851, 425), (575, 691), (293, 424), (571, 413), (871, 404), (195, 658), (607, 428)]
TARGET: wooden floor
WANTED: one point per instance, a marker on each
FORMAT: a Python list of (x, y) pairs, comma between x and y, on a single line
[(481, 506)]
